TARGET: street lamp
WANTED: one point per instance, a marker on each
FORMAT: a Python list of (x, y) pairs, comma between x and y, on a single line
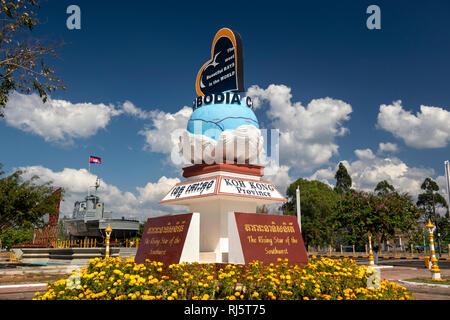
[(108, 231), (435, 272), (371, 261)]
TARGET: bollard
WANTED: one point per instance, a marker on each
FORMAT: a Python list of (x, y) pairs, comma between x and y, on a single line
[(371, 261), (435, 272), (342, 251), (353, 249), (108, 231)]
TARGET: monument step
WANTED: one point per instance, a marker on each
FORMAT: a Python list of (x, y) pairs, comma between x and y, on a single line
[(208, 257)]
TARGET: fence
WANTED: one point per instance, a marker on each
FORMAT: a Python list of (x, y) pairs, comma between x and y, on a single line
[(352, 250), (92, 243)]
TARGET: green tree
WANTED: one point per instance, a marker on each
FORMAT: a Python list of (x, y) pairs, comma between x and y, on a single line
[(343, 180), (12, 236), (429, 201), (141, 229), (22, 64), (317, 202), (385, 216), (262, 209), (384, 188), (24, 202)]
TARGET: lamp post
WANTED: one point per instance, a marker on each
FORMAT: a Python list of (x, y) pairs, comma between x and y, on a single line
[(108, 231), (371, 261), (435, 272), (299, 215)]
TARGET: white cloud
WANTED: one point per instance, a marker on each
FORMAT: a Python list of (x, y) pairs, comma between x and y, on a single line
[(369, 169), (429, 128), (364, 154), (62, 121), (324, 175), (154, 192), (307, 134), (387, 147), (279, 176), (159, 136), (129, 108), (57, 120), (142, 204)]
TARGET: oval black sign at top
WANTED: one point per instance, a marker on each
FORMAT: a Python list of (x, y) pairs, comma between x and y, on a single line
[(224, 71)]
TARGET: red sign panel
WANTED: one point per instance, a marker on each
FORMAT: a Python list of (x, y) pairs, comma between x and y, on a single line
[(266, 237), (163, 239)]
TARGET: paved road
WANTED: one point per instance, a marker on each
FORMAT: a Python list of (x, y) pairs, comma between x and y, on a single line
[(398, 273), (20, 292)]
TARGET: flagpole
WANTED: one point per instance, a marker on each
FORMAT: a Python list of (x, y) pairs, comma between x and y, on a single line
[(89, 170)]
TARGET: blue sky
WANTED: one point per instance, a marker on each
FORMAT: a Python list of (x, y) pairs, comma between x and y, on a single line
[(149, 54)]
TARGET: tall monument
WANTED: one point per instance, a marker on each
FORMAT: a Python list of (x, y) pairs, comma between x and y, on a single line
[(224, 186)]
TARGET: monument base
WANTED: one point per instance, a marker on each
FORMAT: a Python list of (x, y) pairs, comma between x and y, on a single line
[(213, 191)]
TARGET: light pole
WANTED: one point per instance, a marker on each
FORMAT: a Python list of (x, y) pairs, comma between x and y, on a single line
[(371, 261), (435, 272), (108, 231), (299, 216)]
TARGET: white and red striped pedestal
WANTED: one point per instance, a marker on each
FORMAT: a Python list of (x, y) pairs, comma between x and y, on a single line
[(216, 190)]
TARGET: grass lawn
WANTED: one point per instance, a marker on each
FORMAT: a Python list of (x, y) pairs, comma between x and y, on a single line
[(445, 280)]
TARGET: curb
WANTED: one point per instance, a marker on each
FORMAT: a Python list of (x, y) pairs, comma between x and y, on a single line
[(424, 284)]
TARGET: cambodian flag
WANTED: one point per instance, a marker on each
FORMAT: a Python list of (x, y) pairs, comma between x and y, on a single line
[(93, 159)]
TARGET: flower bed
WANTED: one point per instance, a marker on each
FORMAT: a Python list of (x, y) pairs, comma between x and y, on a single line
[(324, 279)]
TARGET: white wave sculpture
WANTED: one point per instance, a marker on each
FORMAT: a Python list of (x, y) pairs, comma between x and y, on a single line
[(242, 145)]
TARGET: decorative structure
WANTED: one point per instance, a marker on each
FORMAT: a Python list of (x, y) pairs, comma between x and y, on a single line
[(222, 143), (371, 260), (435, 272), (48, 234), (108, 231)]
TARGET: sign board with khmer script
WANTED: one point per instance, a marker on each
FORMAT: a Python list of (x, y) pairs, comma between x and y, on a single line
[(224, 186), (191, 189), (170, 239), (265, 238)]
